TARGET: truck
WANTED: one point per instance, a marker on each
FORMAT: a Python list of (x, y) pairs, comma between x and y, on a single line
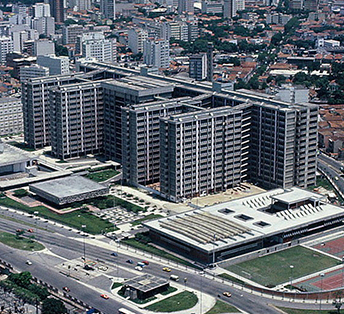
[(174, 277)]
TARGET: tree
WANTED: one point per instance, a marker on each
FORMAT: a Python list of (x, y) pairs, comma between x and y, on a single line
[(337, 304), (53, 306), (23, 279), (70, 22), (61, 50), (276, 39), (19, 232), (42, 292)]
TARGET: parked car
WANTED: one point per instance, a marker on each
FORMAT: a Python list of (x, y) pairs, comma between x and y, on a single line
[(66, 289), (104, 296), (130, 261)]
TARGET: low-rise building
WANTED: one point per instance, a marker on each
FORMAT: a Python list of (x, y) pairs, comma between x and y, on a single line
[(247, 224), (68, 190)]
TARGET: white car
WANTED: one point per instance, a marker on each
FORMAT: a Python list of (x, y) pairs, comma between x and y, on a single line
[(138, 268), (28, 262)]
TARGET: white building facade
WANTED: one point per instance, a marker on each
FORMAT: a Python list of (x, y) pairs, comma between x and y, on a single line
[(56, 65), (156, 52)]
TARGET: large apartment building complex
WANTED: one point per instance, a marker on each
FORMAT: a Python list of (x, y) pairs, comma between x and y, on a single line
[(202, 152), (184, 138), (141, 138), (76, 117)]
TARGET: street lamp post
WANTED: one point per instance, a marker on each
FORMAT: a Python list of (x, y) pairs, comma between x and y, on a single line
[(321, 288), (200, 300), (117, 241), (214, 250), (342, 271), (36, 219), (83, 227), (291, 276)]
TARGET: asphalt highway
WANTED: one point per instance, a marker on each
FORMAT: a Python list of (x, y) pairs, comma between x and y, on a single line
[(65, 248), (43, 268)]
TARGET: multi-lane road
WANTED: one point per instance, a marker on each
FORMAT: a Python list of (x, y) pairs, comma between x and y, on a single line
[(332, 168), (67, 248)]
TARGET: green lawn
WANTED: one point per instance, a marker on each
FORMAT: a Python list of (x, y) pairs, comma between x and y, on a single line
[(23, 223), (21, 243), (148, 217), (116, 285), (296, 311), (179, 302), (221, 307), (94, 225), (108, 201), (102, 175), (231, 278), (169, 290), (151, 249), (305, 262)]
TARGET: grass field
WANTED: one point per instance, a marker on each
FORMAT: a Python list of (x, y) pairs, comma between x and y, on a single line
[(231, 278), (305, 262), (20, 243), (23, 222), (179, 302), (94, 225), (221, 307), (116, 285), (103, 175), (296, 311)]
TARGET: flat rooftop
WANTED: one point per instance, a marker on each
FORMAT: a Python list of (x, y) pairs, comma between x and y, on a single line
[(244, 220), (146, 283), (295, 196), (139, 83), (13, 155), (68, 186)]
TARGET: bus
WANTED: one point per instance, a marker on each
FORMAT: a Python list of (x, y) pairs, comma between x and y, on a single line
[(125, 311)]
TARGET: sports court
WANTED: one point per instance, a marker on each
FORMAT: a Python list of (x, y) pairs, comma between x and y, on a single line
[(330, 280), (334, 247)]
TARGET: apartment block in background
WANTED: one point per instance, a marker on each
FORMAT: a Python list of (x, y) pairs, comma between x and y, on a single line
[(32, 71), (6, 47), (198, 67), (156, 52), (136, 38), (11, 116), (56, 65)]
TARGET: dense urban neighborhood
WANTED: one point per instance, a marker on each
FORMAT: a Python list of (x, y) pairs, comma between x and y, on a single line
[(175, 156)]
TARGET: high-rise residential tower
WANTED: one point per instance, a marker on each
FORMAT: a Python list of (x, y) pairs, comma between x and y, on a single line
[(186, 6), (57, 10), (108, 8)]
